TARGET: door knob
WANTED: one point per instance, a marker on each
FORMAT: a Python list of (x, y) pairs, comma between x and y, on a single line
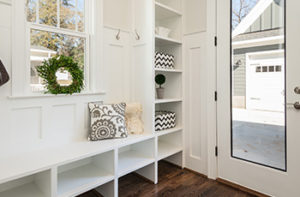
[(296, 105), (297, 90)]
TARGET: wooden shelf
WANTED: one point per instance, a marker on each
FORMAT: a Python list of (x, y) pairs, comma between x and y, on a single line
[(159, 40), (132, 160), (27, 190), (162, 11), (168, 70), (159, 101), (72, 182), (168, 131), (166, 150)]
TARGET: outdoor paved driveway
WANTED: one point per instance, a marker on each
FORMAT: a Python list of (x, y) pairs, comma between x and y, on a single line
[(262, 143)]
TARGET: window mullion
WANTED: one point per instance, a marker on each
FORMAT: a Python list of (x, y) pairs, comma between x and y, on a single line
[(57, 30), (37, 11), (76, 21), (58, 13)]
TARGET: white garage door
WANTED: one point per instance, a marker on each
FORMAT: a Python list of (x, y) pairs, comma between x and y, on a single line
[(265, 83)]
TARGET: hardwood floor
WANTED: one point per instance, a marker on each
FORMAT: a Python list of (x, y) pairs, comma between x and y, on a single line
[(173, 182)]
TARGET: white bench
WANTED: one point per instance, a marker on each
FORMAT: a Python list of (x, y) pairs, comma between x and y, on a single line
[(69, 170)]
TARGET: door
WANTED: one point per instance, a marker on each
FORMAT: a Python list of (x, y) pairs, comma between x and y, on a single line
[(258, 140), (196, 102)]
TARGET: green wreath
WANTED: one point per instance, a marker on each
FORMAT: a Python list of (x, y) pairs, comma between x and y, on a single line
[(48, 70)]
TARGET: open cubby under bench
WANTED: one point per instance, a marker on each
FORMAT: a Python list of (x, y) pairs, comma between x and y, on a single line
[(70, 170)]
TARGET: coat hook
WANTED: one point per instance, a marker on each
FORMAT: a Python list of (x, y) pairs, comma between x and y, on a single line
[(118, 35), (137, 37)]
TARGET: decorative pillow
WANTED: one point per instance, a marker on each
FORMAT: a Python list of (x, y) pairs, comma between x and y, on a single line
[(107, 121), (133, 117)]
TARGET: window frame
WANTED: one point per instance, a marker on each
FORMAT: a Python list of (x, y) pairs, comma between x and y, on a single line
[(57, 29), (21, 78)]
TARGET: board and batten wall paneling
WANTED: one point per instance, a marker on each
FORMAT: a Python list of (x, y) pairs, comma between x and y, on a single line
[(194, 16), (196, 101), (117, 14), (142, 52), (117, 61), (37, 121)]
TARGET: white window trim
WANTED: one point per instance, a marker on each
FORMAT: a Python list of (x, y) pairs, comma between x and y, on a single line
[(21, 48)]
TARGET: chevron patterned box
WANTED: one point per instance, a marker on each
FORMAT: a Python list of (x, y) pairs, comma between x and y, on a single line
[(163, 60), (164, 120)]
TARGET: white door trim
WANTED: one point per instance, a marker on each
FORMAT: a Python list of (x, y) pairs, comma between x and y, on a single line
[(212, 167)]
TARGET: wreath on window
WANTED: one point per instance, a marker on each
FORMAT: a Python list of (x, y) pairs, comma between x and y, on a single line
[(59, 64)]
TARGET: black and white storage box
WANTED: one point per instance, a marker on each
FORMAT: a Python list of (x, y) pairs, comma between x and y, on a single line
[(164, 120), (163, 60)]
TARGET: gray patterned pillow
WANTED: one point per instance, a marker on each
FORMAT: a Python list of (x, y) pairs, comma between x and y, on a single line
[(107, 121)]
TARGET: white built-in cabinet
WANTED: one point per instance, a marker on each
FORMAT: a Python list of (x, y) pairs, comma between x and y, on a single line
[(128, 72), (168, 14)]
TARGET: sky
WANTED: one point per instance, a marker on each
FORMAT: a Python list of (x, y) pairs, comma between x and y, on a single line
[(236, 5)]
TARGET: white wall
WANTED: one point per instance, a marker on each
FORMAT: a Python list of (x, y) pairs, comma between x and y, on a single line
[(40, 120), (194, 16), (50, 120), (117, 58), (118, 14)]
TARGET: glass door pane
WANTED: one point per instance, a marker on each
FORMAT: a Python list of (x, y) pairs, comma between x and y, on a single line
[(258, 82)]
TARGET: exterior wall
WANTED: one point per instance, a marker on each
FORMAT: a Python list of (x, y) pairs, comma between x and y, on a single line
[(239, 77), (270, 19), (257, 35)]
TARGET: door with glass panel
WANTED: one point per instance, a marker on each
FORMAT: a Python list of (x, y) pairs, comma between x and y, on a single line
[(257, 78)]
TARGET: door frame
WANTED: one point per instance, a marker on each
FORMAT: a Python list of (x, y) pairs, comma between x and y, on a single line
[(211, 59)]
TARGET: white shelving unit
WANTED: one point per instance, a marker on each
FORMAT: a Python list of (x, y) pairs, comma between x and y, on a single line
[(172, 100), (168, 70), (166, 150), (26, 190), (136, 156), (89, 176), (164, 11), (163, 41), (36, 185), (72, 169), (168, 14), (85, 174), (168, 131)]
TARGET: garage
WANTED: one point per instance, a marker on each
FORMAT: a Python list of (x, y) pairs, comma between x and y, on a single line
[(265, 81)]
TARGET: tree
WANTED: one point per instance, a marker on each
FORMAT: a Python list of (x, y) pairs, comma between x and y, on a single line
[(240, 9), (63, 44)]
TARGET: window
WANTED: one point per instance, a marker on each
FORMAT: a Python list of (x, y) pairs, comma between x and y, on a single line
[(258, 69), (278, 68), (56, 27), (265, 69)]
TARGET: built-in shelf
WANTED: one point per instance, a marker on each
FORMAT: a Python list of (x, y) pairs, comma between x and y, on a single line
[(168, 70), (71, 182), (132, 160), (161, 41), (27, 190), (163, 11), (166, 150), (159, 101), (168, 131)]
